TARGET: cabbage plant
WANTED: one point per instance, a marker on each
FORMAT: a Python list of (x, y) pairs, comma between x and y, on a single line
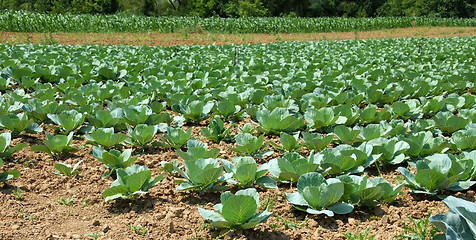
[(216, 131), (176, 137), (197, 150), (18, 123), (5, 150), (67, 121), (291, 166), (359, 190), (202, 174), (278, 120), (141, 135), (7, 175), (245, 172), (131, 183), (459, 223), (316, 195), (105, 137), (56, 144), (439, 172), (236, 211), (248, 145), (113, 159)]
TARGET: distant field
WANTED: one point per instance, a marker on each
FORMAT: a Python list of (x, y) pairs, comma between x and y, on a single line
[(34, 22)]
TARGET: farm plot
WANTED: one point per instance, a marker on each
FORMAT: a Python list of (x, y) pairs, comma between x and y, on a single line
[(145, 142)]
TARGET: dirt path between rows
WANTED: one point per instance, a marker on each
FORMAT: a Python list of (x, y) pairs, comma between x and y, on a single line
[(188, 38)]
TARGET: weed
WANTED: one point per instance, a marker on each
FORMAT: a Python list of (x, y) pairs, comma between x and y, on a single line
[(85, 203), (421, 230), (29, 162), (291, 223), (17, 193), (67, 201), (94, 236), (139, 229), (360, 235), (70, 213), (25, 216)]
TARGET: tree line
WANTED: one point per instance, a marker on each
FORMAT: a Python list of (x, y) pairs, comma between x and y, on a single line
[(257, 8)]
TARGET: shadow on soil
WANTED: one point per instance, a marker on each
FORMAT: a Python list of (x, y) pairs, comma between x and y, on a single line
[(140, 205)]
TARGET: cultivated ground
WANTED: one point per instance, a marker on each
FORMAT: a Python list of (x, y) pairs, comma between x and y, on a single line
[(166, 213), (186, 37)]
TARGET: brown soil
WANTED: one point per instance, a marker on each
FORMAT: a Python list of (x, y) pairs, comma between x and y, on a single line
[(185, 38), (166, 213)]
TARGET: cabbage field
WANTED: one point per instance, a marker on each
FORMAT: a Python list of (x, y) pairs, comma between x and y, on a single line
[(300, 140)]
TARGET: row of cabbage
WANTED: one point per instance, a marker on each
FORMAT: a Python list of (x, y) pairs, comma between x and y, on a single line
[(36, 22), (354, 104)]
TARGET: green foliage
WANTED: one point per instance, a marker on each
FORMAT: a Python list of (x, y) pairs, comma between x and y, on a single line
[(105, 137), (291, 166), (360, 235), (141, 135), (439, 172), (176, 137), (67, 121), (203, 174), (194, 110), (18, 123), (278, 120), (421, 229), (245, 172), (290, 142), (460, 222), (113, 159), (216, 130), (131, 183), (56, 145), (5, 150), (316, 195), (316, 141), (236, 211), (196, 150), (67, 169), (368, 192), (7, 175), (248, 145)]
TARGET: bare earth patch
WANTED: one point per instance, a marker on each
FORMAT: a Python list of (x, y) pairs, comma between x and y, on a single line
[(187, 38)]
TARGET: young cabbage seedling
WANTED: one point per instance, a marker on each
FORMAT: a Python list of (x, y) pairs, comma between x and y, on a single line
[(248, 145), (131, 183), (113, 159), (236, 211), (246, 173), (56, 145), (216, 130), (316, 195), (202, 175), (105, 137), (66, 169), (5, 150), (7, 175)]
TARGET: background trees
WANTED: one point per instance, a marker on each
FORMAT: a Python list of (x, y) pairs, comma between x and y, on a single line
[(240, 8)]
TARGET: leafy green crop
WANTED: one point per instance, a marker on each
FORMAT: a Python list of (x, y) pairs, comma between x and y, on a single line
[(5, 150), (202, 174), (345, 159), (67, 121), (105, 137), (113, 159), (316, 195), (196, 150), (216, 130), (390, 150), (176, 137), (291, 166), (316, 141), (131, 182), (67, 169), (236, 211), (438, 172), (141, 135), (17, 123), (368, 192), (7, 175), (248, 145), (449, 123), (246, 173), (460, 222), (56, 144), (278, 120), (320, 118), (194, 110)]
